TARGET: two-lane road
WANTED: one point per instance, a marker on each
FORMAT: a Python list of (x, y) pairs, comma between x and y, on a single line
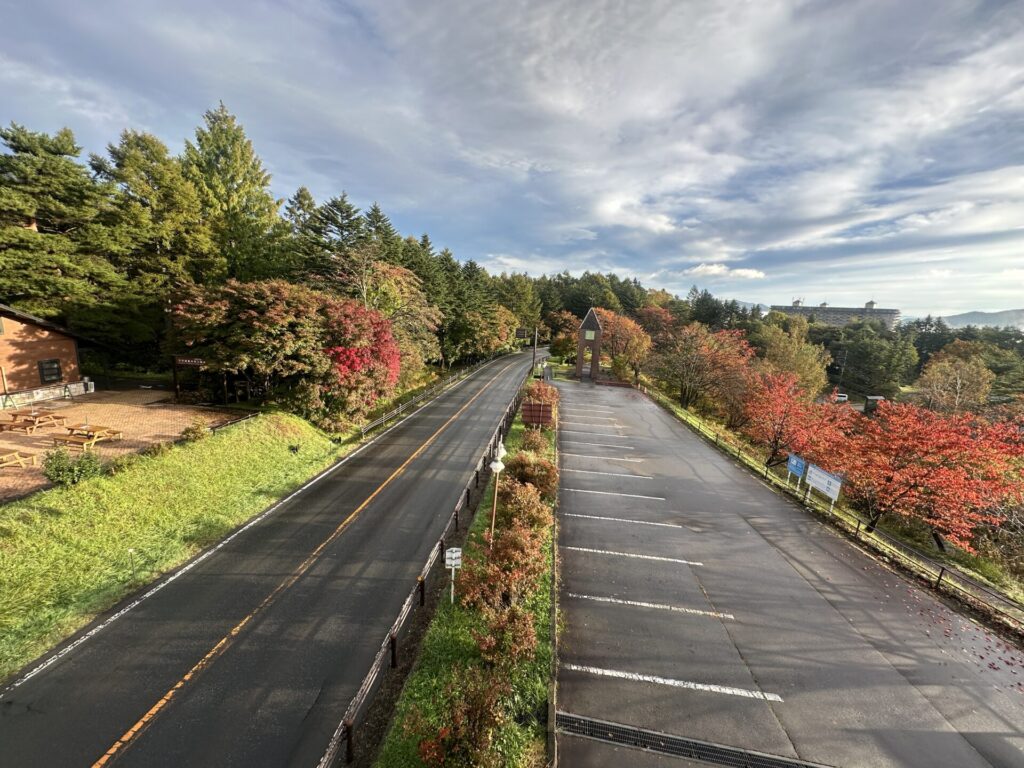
[(251, 656)]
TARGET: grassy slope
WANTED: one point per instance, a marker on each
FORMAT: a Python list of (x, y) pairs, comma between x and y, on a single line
[(64, 553), (448, 644)]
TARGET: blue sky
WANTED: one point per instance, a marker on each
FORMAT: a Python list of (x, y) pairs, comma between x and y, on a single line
[(766, 150)]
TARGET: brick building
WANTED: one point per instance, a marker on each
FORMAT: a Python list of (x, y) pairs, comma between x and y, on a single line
[(35, 353)]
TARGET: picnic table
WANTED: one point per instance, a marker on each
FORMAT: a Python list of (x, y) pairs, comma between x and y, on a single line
[(85, 436), (37, 417), (17, 459)]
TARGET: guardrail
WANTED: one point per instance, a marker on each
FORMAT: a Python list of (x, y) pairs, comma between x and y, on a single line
[(387, 655), (939, 575), (427, 394)]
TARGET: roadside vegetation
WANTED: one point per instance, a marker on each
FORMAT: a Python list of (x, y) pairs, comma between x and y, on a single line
[(68, 554), (477, 695)]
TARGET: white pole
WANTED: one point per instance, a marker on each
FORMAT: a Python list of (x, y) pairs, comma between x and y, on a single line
[(788, 475), (453, 586)]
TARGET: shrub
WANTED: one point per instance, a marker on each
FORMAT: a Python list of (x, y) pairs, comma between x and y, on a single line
[(119, 464), (63, 470), (534, 441), (156, 449), (503, 575), (197, 430), (540, 392), (509, 637), (470, 719), (521, 502), (537, 471)]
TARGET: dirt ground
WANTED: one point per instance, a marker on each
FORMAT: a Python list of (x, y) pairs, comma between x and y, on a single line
[(145, 416)]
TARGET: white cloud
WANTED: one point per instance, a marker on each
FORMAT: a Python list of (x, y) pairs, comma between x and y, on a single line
[(783, 147), (721, 270)]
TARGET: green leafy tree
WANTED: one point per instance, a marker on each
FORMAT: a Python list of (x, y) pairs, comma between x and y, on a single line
[(516, 293), (784, 348), (234, 190)]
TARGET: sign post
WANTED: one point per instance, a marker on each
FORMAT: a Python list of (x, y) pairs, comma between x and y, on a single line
[(453, 560), (795, 466), (825, 482)]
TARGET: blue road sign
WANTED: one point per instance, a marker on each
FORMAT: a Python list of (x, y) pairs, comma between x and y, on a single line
[(796, 465)]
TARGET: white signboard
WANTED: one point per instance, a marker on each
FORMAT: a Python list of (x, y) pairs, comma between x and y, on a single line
[(823, 481), (453, 558)]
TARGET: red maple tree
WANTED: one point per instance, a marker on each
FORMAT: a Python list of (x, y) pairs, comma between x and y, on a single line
[(950, 472)]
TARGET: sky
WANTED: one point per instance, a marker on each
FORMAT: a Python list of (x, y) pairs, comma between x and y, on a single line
[(768, 150)]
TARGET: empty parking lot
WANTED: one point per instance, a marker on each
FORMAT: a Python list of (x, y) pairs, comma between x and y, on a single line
[(698, 604)]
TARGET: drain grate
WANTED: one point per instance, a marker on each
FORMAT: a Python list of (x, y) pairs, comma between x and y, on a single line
[(677, 746)]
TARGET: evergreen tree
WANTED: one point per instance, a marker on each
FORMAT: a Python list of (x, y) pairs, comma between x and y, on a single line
[(169, 239), (234, 190), (380, 231), (299, 211)]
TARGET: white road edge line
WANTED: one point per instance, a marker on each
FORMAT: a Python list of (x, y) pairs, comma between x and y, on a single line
[(634, 556), (607, 474), (604, 458), (214, 549), (622, 520), (599, 445), (728, 690), (658, 606), (611, 493)]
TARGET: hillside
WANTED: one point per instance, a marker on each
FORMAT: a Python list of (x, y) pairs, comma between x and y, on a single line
[(1012, 317)]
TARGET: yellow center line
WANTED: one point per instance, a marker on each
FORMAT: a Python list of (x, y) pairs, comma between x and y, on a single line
[(223, 644)]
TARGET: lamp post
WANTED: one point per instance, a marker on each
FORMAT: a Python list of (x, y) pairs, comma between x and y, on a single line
[(496, 468)]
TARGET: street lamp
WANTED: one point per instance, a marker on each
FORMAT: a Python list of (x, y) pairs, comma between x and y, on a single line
[(496, 468)]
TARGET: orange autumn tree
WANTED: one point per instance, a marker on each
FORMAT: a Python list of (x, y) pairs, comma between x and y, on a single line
[(950, 472), (625, 342)]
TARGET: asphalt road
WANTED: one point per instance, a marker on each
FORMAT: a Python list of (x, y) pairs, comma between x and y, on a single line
[(251, 657), (699, 603)]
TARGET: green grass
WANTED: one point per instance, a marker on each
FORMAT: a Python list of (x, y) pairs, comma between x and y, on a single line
[(64, 553), (449, 644)]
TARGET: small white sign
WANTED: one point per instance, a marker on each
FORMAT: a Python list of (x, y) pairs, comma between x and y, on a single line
[(453, 558), (823, 481)]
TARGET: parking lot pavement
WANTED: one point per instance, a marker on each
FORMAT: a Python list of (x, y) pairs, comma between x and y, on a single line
[(697, 602)]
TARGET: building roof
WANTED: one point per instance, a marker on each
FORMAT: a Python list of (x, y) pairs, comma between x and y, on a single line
[(25, 317), (591, 322)]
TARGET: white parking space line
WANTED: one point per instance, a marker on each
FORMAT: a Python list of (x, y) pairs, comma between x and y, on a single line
[(603, 458), (588, 416), (584, 424), (607, 474), (622, 520), (595, 434), (657, 606), (588, 409), (610, 493), (598, 445), (633, 555), (707, 687)]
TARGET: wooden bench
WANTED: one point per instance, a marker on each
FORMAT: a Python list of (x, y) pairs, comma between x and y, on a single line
[(17, 459), (85, 443), (28, 426)]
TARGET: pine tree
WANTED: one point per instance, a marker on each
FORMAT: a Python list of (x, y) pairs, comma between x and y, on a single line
[(234, 189), (168, 239), (299, 210), (380, 230)]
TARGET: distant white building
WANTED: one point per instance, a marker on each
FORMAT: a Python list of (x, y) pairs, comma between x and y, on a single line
[(840, 316)]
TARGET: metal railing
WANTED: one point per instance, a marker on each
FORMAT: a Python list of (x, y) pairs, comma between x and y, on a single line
[(344, 736), (939, 575)]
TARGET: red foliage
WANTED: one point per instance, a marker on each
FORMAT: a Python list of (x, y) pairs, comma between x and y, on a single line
[(657, 321), (537, 471), (539, 392), (783, 420), (950, 472)]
